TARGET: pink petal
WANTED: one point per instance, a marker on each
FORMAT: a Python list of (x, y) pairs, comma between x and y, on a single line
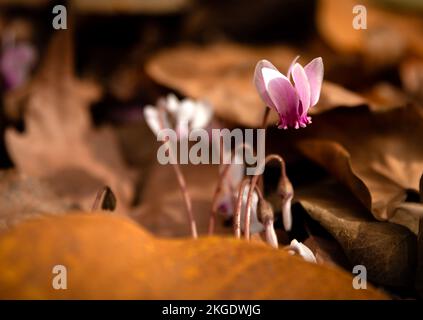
[(283, 96), (288, 75), (260, 84), (314, 71), (302, 86)]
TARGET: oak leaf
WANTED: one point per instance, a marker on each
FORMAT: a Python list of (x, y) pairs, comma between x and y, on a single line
[(387, 250), (379, 156), (59, 143), (389, 36), (222, 74), (132, 264)]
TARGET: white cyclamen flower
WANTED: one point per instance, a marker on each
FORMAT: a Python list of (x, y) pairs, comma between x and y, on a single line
[(255, 225), (185, 115), (302, 250)]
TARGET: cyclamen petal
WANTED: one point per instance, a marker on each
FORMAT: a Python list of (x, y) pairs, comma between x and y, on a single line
[(172, 103), (260, 83), (288, 74), (303, 88), (271, 237), (314, 71), (284, 96), (303, 251), (287, 214), (255, 225), (292, 102), (203, 115), (16, 63), (185, 115), (152, 118)]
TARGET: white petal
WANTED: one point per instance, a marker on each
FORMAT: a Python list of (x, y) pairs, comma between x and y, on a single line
[(259, 82), (315, 71), (202, 116), (288, 74), (303, 251), (236, 171), (172, 103), (271, 74), (271, 237), (287, 214), (151, 116), (186, 111), (255, 225)]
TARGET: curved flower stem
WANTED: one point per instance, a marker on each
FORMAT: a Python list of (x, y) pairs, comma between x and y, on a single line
[(253, 185), (237, 213), (187, 199), (181, 181), (218, 189)]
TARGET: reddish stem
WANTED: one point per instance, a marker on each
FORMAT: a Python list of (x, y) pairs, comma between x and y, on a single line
[(218, 189), (253, 186), (181, 181), (237, 213)]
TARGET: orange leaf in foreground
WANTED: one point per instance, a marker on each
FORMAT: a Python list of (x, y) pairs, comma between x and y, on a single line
[(109, 256)]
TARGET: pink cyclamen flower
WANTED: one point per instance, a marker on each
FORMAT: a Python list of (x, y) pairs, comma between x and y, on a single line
[(290, 100), (16, 63)]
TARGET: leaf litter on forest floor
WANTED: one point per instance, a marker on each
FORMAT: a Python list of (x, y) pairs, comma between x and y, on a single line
[(162, 209), (379, 156), (222, 74), (139, 266), (23, 197), (59, 143), (387, 250)]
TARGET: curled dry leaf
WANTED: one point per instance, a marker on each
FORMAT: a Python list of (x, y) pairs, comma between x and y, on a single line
[(22, 197), (327, 251), (59, 143), (388, 37), (132, 264), (387, 250), (218, 74), (379, 156), (163, 210)]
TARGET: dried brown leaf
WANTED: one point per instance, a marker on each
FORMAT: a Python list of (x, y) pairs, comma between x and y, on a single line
[(163, 210), (388, 37), (223, 75), (23, 197), (379, 156), (132, 264), (387, 250), (59, 143)]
